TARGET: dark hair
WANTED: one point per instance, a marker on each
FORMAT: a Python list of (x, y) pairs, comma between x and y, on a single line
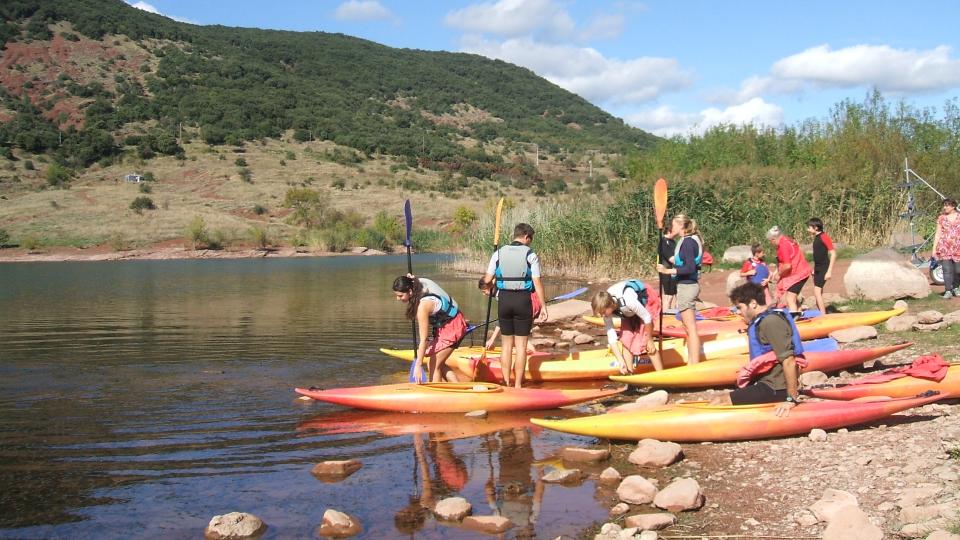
[(949, 201), (406, 284), (743, 294), (816, 223), (756, 248), (523, 229), (483, 284)]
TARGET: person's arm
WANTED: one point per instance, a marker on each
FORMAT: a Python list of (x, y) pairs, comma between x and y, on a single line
[(748, 273), (423, 326), (613, 341), (534, 260), (936, 239), (493, 339), (632, 302), (833, 258), (791, 372)]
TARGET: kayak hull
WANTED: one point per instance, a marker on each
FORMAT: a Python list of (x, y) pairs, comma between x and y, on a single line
[(453, 397), (812, 328), (723, 371), (949, 387), (700, 422)]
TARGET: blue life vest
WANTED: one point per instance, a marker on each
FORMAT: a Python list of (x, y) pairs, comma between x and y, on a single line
[(513, 272), (637, 287), (678, 260), (757, 348), (448, 306), (763, 271)]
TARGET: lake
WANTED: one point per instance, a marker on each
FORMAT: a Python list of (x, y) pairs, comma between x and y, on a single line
[(141, 398)]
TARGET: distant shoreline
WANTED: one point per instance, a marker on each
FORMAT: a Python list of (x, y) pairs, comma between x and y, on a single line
[(103, 253)]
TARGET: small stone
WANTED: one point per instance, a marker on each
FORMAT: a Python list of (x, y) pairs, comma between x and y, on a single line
[(487, 524), (833, 502), (335, 471), (930, 327), (568, 335), (952, 318), (806, 519), (629, 533), (813, 378), (901, 304), (336, 524), (563, 345), (452, 509), (941, 534), (610, 474), (650, 401), (817, 435), (562, 476), (648, 535), (479, 414), (619, 509), (682, 494), (852, 523), (543, 342), (636, 489), (900, 323), (653, 453), (651, 522), (751, 522), (583, 339), (233, 526), (929, 317), (588, 455)]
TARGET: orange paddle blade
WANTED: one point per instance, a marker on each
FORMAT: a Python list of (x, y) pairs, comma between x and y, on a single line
[(660, 201), (496, 226)]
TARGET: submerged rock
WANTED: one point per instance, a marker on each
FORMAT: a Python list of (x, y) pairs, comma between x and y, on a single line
[(234, 526)]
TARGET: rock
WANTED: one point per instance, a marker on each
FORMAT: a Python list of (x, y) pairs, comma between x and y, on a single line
[(919, 530), (734, 280), (941, 534), (817, 435), (487, 524), (563, 345), (583, 339), (479, 414), (374, 252), (832, 503), (812, 378), (952, 318), (335, 471), (931, 316), (569, 335), (609, 475), (806, 519), (653, 453), (336, 524), (854, 333), (636, 489), (568, 309), (884, 274), (619, 509), (650, 401), (929, 327), (589, 455), (917, 514), (852, 524), (833, 298), (651, 522), (543, 342), (737, 254), (562, 476), (901, 304), (648, 535), (682, 494), (900, 323), (358, 250), (452, 509), (234, 525)]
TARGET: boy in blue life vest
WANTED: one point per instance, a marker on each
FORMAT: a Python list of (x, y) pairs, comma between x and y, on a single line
[(515, 269), (767, 378), (756, 270)]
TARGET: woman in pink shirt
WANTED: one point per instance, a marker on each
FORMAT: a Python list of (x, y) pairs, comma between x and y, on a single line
[(946, 246), (792, 271)]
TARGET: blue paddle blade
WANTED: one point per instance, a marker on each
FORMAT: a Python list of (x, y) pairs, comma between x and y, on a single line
[(821, 345), (569, 295), (810, 313), (411, 378), (408, 219)]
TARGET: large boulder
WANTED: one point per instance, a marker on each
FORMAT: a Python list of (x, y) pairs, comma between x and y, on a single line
[(734, 280), (737, 254), (682, 494), (568, 309), (653, 453), (884, 274)]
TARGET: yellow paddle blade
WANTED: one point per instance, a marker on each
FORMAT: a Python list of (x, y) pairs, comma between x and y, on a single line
[(660, 201), (496, 223)]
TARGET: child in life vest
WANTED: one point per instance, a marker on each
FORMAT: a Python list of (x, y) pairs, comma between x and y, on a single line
[(487, 288), (686, 271), (775, 378), (431, 306), (636, 304), (756, 270)]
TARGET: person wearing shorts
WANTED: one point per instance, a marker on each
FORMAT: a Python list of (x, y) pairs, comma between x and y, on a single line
[(637, 305), (515, 270), (432, 308), (686, 272), (488, 288), (768, 329), (792, 271), (665, 251), (824, 255)]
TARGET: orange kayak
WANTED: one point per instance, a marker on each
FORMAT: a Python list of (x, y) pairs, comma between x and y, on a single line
[(723, 371), (949, 387), (696, 422), (454, 397)]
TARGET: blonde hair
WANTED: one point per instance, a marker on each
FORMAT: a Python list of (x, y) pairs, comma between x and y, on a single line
[(602, 301), (689, 225)]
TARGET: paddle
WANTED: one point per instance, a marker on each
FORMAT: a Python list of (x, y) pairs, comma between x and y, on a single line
[(496, 246), (408, 220), (659, 211), (565, 296)]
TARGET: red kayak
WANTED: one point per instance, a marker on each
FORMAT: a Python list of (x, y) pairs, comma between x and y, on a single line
[(949, 387), (454, 397)]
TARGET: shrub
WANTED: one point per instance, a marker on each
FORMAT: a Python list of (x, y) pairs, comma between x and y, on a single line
[(197, 233), (4, 238), (259, 209), (336, 239), (148, 177), (246, 175), (57, 176), (371, 239), (142, 203), (309, 209), (289, 155), (145, 188), (30, 242), (240, 162), (259, 237), (389, 227), (119, 242), (28, 165), (463, 218), (338, 184)]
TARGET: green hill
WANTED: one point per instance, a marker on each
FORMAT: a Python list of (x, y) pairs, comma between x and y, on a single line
[(113, 75)]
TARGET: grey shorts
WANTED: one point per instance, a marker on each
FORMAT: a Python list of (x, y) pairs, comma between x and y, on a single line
[(687, 294)]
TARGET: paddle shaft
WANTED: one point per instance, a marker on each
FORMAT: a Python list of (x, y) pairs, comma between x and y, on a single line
[(496, 246), (408, 219)]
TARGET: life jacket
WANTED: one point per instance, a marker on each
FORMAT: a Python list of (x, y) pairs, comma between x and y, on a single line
[(637, 286), (513, 271), (757, 348), (448, 306), (763, 271), (678, 260)]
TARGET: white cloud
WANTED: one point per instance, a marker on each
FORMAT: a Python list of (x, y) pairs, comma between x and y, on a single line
[(512, 18), (150, 8), (602, 27), (586, 72), (362, 10), (666, 122)]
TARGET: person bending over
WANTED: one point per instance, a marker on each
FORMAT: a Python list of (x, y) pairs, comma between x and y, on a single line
[(637, 305)]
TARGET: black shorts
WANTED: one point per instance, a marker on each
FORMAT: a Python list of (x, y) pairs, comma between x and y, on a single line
[(819, 277), (795, 289), (757, 393), (516, 313), (669, 284)]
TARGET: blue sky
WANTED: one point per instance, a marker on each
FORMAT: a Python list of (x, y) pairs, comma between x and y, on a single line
[(668, 67)]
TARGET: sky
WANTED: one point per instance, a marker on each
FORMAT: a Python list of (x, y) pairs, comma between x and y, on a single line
[(668, 67)]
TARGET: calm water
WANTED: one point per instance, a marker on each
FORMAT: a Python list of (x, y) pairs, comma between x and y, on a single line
[(141, 398)]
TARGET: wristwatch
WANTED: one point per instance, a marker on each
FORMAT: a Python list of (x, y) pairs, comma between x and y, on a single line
[(791, 400)]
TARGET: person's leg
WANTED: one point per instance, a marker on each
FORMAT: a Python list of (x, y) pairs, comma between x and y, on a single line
[(520, 366), (949, 269), (507, 331), (506, 358), (956, 276), (444, 372), (818, 295), (522, 326), (689, 319)]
